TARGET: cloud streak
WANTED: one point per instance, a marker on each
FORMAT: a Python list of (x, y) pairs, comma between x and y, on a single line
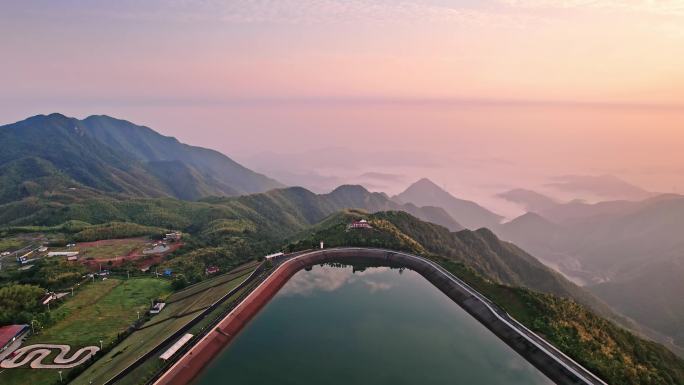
[(657, 7)]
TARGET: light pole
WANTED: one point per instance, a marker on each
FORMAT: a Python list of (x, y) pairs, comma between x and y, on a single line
[(138, 314), (100, 344), (60, 375), (72, 291), (33, 330)]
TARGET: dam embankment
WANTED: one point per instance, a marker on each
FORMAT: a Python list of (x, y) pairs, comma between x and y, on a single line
[(542, 355)]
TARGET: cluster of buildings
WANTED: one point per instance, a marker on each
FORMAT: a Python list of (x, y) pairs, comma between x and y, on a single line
[(362, 224), (162, 246), (25, 258), (174, 236)]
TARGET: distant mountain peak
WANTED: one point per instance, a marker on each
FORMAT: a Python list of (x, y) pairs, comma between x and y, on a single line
[(425, 183), (529, 219), (56, 115), (356, 188), (425, 192)]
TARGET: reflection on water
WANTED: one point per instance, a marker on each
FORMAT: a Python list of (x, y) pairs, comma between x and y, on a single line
[(334, 324), (331, 278)]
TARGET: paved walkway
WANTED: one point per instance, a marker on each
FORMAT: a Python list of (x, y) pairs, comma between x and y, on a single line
[(35, 354)]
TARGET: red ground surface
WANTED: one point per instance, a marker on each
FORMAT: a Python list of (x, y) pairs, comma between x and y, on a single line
[(141, 260), (103, 242), (8, 332)]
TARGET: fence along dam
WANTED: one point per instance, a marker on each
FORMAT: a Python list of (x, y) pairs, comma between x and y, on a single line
[(556, 367)]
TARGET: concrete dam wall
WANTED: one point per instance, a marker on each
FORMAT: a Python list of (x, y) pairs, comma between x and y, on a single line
[(554, 364)]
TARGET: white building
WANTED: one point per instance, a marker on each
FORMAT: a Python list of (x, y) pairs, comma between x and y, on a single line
[(62, 253), (271, 256)]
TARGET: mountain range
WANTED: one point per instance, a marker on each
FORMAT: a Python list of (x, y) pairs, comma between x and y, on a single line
[(601, 187), (629, 253), (54, 169), (531, 201), (53, 152)]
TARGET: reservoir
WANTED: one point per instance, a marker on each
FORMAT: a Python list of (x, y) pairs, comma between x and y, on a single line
[(336, 324)]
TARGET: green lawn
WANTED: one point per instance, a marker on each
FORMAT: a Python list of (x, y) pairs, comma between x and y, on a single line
[(148, 368), (182, 307), (11, 244), (98, 311), (110, 248)]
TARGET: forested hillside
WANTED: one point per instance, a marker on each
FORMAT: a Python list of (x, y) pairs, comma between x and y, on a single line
[(613, 353), (49, 154)]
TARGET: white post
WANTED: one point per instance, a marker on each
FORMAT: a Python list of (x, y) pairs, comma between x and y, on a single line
[(138, 315), (72, 291), (100, 344), (60, 375), (33, 330)]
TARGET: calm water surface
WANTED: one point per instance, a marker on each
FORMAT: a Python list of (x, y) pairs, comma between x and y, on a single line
[(332, 325)]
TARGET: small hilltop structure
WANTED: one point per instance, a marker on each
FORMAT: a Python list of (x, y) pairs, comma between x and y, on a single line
[(360, 224)]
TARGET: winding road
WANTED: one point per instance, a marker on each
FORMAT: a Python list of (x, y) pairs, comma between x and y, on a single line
[(35, 354)]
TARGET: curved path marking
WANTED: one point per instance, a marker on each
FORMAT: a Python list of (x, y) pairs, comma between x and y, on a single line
[(35, 354), (190, 364)]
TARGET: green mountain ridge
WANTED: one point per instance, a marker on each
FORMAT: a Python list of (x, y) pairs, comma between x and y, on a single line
[(54, 152), (480, 250), (215, 170)]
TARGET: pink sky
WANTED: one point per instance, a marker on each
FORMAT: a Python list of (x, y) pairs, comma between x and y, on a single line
[(473, 93)]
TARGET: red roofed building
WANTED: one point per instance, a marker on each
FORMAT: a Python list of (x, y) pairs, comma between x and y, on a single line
[(362, 224), (9, 334)]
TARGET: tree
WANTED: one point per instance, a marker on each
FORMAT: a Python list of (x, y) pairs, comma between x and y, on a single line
[(20, 303)]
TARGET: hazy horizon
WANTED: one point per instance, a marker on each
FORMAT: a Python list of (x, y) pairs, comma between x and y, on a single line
[(480, 96)]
